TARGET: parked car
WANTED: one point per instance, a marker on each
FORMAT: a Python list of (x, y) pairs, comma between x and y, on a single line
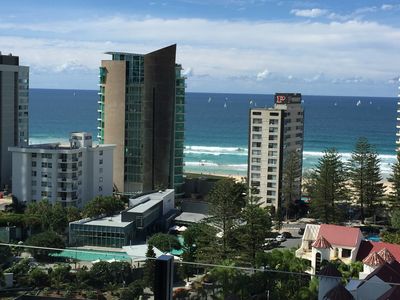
[(280, 238), (301, 231), (287, 234), (270, 244)]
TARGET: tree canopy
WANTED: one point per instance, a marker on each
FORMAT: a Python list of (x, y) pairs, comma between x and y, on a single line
[(107, 205)]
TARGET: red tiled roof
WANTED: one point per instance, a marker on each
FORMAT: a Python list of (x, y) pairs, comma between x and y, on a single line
[(321, 243), (386, 255), (367, 247), (340, 235), (373, 259)]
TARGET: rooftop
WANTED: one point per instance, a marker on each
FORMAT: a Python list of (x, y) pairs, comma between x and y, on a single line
[(143, 207), (366, 247), (340, 235), (114, 221), (188, 217)]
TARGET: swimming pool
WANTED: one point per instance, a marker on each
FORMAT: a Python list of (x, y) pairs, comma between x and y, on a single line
[(373, 238), (92, 255)]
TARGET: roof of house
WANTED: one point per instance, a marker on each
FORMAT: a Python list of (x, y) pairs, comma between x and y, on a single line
[(392, 294), (321, 243), (373, 259), (340, 235), (339, 292), (366, 247), (386, 273), (386, 255)]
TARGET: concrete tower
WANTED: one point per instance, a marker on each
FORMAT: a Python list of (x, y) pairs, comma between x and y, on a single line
[(14, 88)]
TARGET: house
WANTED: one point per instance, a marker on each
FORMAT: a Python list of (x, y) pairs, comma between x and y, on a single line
[(329, 242)]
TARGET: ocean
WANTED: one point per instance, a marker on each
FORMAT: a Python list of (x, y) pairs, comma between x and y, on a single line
[(216, 125)]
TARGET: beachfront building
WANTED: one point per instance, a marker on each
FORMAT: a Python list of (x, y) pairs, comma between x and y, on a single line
[(141, 111), (14, 87), (71, 174), (275, 141), (146, 214), (398, 120)]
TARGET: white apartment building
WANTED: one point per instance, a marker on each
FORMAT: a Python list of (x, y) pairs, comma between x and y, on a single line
[(273, 134), (70, 174)]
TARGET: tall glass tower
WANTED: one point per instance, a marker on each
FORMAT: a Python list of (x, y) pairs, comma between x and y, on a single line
[(141, 110)]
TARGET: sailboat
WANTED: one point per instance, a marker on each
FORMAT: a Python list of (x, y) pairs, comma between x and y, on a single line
[(358, 103), (209, 99), (251, 102), (225, 105)]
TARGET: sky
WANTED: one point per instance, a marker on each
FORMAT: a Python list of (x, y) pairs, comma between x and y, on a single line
[(349, 48)]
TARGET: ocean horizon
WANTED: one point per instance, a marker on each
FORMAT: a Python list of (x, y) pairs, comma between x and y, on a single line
[(216, 125)]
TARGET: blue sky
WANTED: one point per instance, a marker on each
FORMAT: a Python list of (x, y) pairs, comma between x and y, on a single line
[(255, 46)]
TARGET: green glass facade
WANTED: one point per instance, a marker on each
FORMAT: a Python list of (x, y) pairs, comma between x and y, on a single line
[(134, 121), (101, 236)]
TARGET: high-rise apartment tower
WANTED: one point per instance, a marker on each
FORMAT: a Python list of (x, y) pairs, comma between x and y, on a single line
[(398, 119), (14, 88), (141, 111), (276, 150)]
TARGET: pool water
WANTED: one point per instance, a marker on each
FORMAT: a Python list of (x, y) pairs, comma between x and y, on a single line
[(373, 238), (91, 255)]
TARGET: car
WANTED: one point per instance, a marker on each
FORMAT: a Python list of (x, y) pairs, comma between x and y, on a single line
[(287, 234), (280, 238), (301, 231)]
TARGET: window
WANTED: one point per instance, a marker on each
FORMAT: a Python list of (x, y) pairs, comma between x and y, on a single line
[(256, 113), (275, 114), (100, 188), (256, 144), (255, 183), (256, 136), (101, 170), (46, 155), (272, 161), (271, 184), (269, 200), (101, 152), (255, 175), (273, 137), (100, 161), (256, 152), (271, 193), (256, 160), (34, 164), (272, 145), (33, 192), (271, 177), (33, 182), (346, 253), (272, 153), (139, 222), (257, 128), (33, 173), (273, 129), (33, 155), (271, 169), (257, 121), (44, 184), (273, 122), (255, 168)]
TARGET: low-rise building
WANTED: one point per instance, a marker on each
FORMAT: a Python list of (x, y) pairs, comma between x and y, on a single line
[(71, 174), (329, 242), (146, 214)]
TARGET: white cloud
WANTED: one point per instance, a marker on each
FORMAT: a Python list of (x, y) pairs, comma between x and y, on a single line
[(188, 72), (387, 6), (262, 75), (309, 13), (217, 50)]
